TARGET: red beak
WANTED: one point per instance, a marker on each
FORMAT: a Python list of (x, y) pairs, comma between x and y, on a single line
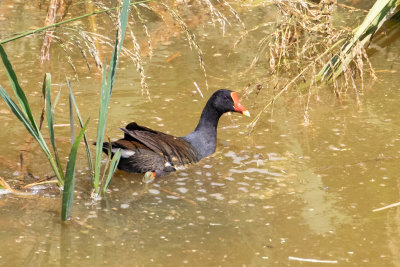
[(238, 106)]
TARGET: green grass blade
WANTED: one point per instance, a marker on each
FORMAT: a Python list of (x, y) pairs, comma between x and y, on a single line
[(71, 118), (56, 101), (37, 135), (107, 163), (50, 120), (113, 167), (19, 93), (118, 44), (68, 194), (106, 90), (24, 113), (19, 114), (87, 147), (100, 130)]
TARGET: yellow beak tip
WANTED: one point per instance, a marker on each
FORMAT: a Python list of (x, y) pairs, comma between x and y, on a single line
[(246, 113)]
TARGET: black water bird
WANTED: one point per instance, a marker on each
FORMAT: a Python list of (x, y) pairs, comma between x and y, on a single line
[(144, 150)]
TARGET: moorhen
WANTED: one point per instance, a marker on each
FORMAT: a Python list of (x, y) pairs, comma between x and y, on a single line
[(157, 154)]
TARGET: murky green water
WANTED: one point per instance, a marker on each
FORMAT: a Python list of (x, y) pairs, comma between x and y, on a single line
[(287, 191)]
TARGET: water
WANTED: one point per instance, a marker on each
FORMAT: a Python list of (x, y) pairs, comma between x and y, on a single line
[(287, 191)]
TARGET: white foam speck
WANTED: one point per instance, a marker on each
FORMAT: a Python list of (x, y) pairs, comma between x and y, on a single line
[(154, 191), (217, 196), (217, 184), (183, 190)]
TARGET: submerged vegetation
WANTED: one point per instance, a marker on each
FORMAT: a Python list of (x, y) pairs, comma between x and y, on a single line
[(304, 38)]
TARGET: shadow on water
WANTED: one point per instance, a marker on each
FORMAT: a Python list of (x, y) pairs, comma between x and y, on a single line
[(287, 191)]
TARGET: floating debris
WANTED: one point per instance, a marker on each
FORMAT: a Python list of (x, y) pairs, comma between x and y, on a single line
[(312, 260), (124, 206)]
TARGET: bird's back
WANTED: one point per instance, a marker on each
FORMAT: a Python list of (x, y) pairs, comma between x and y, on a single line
[(174, 150)]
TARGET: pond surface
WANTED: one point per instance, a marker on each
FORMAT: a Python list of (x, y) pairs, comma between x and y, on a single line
[(286, 193)]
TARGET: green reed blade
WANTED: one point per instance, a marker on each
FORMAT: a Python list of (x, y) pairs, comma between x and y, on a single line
[(375, 18), (24, 113), (47, 96), (24, 109), (111, 170), (107, 162), (106, 90), (46, 90), (37, 135), (119, 40), (56, 101), (89, 155), (100, 130), (19, 93), (68, 194), (71, 118), (19, 114)]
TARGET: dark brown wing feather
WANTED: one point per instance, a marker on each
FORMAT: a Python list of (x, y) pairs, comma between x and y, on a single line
[(128, 144), (174, 149)]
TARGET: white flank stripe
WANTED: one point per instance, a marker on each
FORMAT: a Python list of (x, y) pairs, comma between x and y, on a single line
[(125, 153)]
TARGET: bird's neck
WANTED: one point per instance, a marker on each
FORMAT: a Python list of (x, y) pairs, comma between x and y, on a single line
[(204, 136), (208, 120)]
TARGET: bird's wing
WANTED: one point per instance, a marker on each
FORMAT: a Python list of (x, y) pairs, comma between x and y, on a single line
[(174, 149)]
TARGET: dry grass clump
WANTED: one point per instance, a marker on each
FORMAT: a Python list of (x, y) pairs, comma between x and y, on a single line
[(304, 31), (304, 39), (305, 35)]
